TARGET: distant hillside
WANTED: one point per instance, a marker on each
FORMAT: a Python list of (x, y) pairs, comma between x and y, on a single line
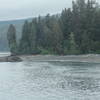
[(3, 32)]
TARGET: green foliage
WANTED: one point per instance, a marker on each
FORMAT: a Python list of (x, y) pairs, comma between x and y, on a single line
[(73, 48), (46, 51), (11, 36), (75, 31), (24, 47)]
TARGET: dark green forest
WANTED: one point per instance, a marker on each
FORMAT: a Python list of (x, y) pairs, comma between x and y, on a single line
[(75, 31)]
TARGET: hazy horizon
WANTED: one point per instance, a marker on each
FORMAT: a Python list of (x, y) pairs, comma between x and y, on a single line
[(20, 9)]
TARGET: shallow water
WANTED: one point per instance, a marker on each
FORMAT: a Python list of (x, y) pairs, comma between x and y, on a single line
[(50, 80)]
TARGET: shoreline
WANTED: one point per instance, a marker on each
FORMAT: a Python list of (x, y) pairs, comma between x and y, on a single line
[(90, 58)]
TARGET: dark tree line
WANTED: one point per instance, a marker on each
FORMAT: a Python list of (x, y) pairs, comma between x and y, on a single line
[(75, 31)]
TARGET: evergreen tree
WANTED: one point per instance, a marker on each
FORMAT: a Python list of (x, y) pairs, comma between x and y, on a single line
[(57, 38), (33, 37), (86, 44), (73, 49), (40, 31), (66, 27), (24, 46), (11, 36)]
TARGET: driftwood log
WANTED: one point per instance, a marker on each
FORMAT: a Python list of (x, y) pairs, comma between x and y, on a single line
[(10, 59)]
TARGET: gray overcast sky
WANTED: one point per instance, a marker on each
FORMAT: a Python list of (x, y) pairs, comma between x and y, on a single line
[(18, 9)]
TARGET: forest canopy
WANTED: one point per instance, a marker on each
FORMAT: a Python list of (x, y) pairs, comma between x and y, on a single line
[(75, 31)]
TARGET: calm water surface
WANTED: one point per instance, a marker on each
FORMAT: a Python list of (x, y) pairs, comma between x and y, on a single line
[(56, 80)]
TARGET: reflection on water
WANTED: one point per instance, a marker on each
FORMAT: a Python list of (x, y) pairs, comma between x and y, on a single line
[(49, 81)]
